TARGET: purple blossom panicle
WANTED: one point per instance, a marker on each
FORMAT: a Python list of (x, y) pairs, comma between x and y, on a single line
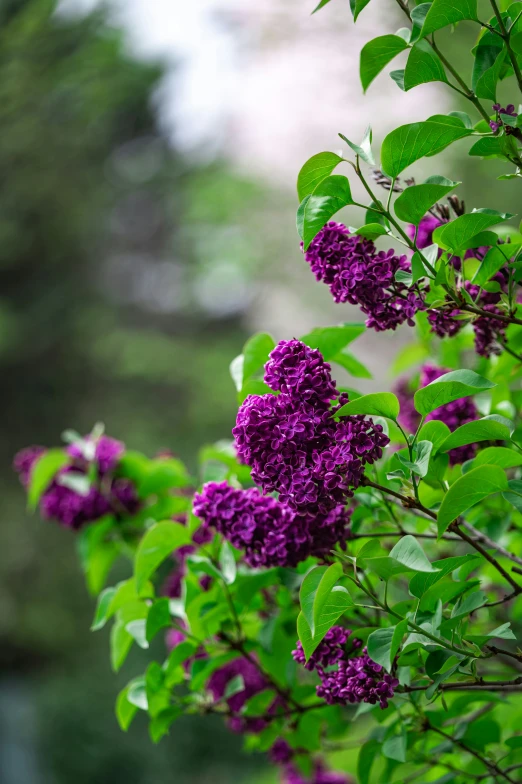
[(329, 651), (409, 417), (67, 503), (359, 679), (24, 461), (320, 775), (427, 226), (488, 333), (254, 683), (266, 530), (300, 372), (359, 274), (281, 753), (107, 452), (453, 414), (445, 323)]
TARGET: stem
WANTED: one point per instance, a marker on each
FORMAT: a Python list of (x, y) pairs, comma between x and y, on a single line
[(515, 685), (485, 554), (506, 36), (491, 766)]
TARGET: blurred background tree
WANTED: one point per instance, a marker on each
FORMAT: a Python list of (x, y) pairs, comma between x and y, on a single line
[(109, 249)]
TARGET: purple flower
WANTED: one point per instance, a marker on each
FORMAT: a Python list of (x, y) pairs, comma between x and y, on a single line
[(300, 372), (253, 683), (359, 679), (320, 775), (66, 500), (329, 651), (266, 530), (427, 226), (24, 461), (281, 752), (445, 323), (359, 274), (107, 452)]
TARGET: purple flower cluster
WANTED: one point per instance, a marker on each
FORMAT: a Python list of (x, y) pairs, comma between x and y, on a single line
[(293, 444), (496, 124), (65, 500), (253, 683), (359, 274), (329, 651), (320, 775), (453, 414), (359, 679), (266, 530)]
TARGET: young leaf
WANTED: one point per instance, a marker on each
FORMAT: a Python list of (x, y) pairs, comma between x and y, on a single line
[(394, 747), (364, 149), (420, 583), (454, 235), (125, 710), (472, 432), (421, 462), (336, 603), (43, 472), (494, 259), (158, 618), (451, 386), (314, 590), (409, 143), (227, 563), (468, 490), (423, 66), (446, 12), (331, 195), (383, 644), (331, 340), (376, 54), (315, 170), (357, 6), (414, 202), (157, 544), (418, 15), (436, 432), (408, 552), (121, 643), (383, 404)]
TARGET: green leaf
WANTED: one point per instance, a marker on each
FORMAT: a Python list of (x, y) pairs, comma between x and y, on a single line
[(504, 632), (383, 644), (43, 472), (454, 235), (367, 756), (299, 218), (158, 618), (420, 583), (398, 78), (489, 59), (236, 371), (468, 604), (227, 563), (445, 12), (315, 170), (451, 386), (408, 552), (331, 195), (514, 495), (423, 66), (314, 590), (487, 147), (157, 544), (422, 456), (418, 15), (468, 490), (498, 455), (494, 259), (376, 54), (434, 431), (331, 340), (409, 143), (101, 615), (125, 710), (472, 432), (357, 6), (414, 202), (371, 231), (337, 602), (352, 365), (160, 724), (394, 747), (364, 149), (121, 643), (255, 353), (383, 404)]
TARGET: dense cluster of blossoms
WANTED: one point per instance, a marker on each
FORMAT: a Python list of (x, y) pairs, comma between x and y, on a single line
[(358, 679), (458, 412), (267, 531), (344, 677), (69, 499), (356, 272), (297, 449)]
